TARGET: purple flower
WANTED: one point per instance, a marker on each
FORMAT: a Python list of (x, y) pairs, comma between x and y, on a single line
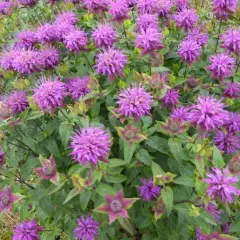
[(48, 170), (232, 90), (221, 186), (7, 198), (134, 102), (87, 229), (231, 41), (164, 7), (224, 8), (75, 41), (26, 40), (149, 41), (197, 35), (96, 6), (62, 30), (186, 19), (182, 4), (208, 114), (78, 87), (2, 158), (90, 145), (66, 18), (49, 94), (111, 63), (17, 101), (171, 98), (27, 230), (131, 3), (119, 10), (104, 36), (222, 66), (228, 142), (147, 6), (116, 206), (189, 51), (213, 211), (27, 62), (226, 228), (233, 123), (180, 113), (146, 21), (5, 7), (47, 33), (148, 191), (50, 58), (192, 82), (27, 3), (7, 58)]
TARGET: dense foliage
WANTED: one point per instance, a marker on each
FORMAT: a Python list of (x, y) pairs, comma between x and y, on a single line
[(120, 119)]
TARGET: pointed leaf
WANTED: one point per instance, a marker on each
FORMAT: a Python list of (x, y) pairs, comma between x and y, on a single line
[(65, 131), (124, 222), (167, 197), (218, 161), (129, 149), (72, 194)]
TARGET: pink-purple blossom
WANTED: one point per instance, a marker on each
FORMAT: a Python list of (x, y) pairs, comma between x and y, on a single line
[(116, 206), (78, 87), (47, 33), (66, 18), (104, 36), (27, 3), (2, 158), (26, 40), (198, 35), (164, 7), (186, 18), (149, 41), (180, 113), (50, 58), (49, 94), (231, 41), (222, 66), (148, 191), (146, 21), (147, 6), (75, 40), (189, 51), (87, 229), (5, 7), (119, 10), (27, 230), (232, 90), (7, 58), (134, 102), (17, 101), (220, 185), (171, 98), (111, 63), (182, 4), (228, 142), (90, 145), (224, 8), (212, 209), (96, 6), (233, 123)]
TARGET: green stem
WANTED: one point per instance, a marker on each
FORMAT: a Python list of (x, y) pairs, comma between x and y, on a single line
[(88, 62), (219, 31), (125, 34)]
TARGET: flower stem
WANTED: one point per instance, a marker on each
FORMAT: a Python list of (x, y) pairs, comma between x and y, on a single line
[(219, 32), (238, 64), (150, 66), (88, 62), (125, 34), (185, 73)]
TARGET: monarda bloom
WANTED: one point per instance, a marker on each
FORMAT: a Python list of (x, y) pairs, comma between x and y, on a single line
[(90, 145), (111, 62), (180, 113), (232, 90), (171, 98), (27, 3), (227, 142), (224, 8), (7, 58), (208, 114), (62, 30), (47, 33), (116, 206), (27, 62), (233, 123), (26, 40), (27, 230), (104, 36), (164, 7), (233, 166), (66, 18), (49, 94), (96, 6), (119, 10), (134, 102), (48, 170), (186, 19), (146, 21), (7, 198), (231, 41), (78, 87), (149, 41), (212, 209), (222, 66), (220, 185), (5, 7), (17, 101), (75, 41), (182, 4), (148, 191), (50, 58), (173, 127), (189, 51), (87, 229), (197, 35), (147, 6), (2, 158), (131, 3)]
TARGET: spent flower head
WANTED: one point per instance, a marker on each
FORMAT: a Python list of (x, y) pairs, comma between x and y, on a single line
[(148, 191)]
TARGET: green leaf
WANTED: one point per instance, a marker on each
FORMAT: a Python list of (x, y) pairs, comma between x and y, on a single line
[(103, 190), (74, 192), (218, 161), (95, 109), (85, 198), (117, 178), (200, 164), (207, 217), (176, 150), (167, 197), (156, 169), (183, 208), (34, 115), (160, 69), (129, 149), (124, 222), (65, 131), (164, 179), (235, 227), (56, 189), (115, 162), (185, 180), (144, 157)]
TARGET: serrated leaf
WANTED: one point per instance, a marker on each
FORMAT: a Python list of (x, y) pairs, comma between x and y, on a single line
[(85, 198), (117, 178), (218, 161), (167, 197), (144, 157), (184, 180), (115, 162), (176, 149), (129, 150), (65, 131), (156, 169), (34, 115), (124, 222), (103, 190), (74, 192)]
